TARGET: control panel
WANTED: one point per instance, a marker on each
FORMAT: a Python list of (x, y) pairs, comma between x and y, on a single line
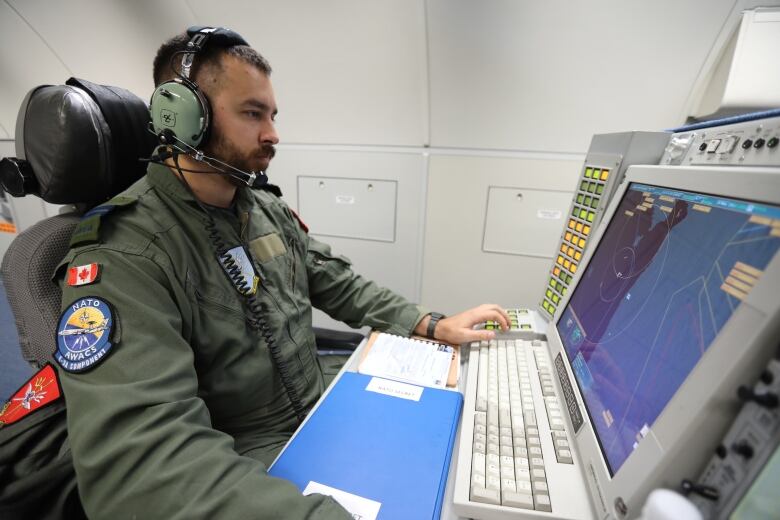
[(752, 143), (606, 163), (733, 477)]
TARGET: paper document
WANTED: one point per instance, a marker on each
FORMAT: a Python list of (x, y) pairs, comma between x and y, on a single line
[(409, 360)]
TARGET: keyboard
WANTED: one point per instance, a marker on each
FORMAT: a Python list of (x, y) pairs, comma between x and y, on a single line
[(512, 409)]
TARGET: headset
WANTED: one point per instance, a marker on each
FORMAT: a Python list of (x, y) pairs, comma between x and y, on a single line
[(181, 113)]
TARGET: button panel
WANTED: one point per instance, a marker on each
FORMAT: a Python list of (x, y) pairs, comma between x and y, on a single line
[(586, 207), (751, 143)]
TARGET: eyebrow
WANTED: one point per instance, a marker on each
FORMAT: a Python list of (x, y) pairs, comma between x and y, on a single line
[(260, 105)]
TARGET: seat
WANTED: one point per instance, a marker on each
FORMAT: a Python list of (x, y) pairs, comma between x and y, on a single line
[(77, 144)]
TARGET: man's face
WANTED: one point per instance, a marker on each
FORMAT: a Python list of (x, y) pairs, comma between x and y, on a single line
[(243, 108)]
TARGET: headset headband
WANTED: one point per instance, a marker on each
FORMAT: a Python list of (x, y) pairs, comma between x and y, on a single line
[(201, 35)]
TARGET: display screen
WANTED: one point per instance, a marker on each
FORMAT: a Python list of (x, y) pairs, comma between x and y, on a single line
[(665, 278)]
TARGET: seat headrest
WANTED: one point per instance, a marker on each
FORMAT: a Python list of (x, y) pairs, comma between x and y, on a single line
[(78, 143)]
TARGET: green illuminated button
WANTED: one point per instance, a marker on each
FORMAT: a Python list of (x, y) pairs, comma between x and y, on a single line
[(564, 291), (549, 293), (575, 211), (558, 287), (587, 201), (552, 282), (522, 311), (545, 304), (556, 298), (600, 189), (584, 185), (594, 203), (568, 278), (489, 327), (588, 172), (592, 187), (525, 326), (591, 216), (580, 197), (551, 310), (583, 213)]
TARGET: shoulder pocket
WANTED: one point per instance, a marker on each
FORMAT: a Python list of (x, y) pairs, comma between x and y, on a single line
[(320, 254)]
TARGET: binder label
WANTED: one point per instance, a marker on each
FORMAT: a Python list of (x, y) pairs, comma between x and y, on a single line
[(395, 388), (360, 508)]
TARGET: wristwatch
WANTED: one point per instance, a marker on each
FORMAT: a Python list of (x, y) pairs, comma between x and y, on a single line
[(435, 317)]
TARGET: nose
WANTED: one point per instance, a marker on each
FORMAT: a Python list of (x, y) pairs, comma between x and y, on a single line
[(269, 135)]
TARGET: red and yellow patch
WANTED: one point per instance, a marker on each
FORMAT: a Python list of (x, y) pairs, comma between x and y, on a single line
[(41, 389)]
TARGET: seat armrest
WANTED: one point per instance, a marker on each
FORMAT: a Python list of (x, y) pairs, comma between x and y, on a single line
[(331, 341)]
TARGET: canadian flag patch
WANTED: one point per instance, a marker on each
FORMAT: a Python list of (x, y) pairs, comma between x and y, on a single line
[(83, 274)]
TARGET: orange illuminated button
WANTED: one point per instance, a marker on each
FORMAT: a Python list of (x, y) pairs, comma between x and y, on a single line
[(570, 252), (563, 248), (579, 227), (571, 223), (585, 230), (577, 255), (582, 242), (568, 236), (604, 174), (557, 271), (560, 259), (566, 264), (573, 268)]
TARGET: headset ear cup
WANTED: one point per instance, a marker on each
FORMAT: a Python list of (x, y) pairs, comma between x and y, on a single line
[(182, 109)]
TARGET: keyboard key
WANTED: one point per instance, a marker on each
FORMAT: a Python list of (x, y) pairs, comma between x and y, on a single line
[(478, 479), (540, 486), (556, 424), (524, 486), (522, 473), (478, 463), (543, 503), (564, 457), (484, 495), (479, 447), (508, 484), (493, 482), (538, 474), (523, 500)]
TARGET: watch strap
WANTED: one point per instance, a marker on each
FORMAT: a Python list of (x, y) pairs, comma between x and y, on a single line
[(435, 317)]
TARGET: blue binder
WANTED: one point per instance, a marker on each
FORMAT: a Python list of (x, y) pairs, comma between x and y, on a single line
[(384, 448)]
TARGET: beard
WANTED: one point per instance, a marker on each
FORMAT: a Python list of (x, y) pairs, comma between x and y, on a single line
[(255, 160)]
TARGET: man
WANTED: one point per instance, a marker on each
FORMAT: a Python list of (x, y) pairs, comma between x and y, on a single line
[(175, 401)]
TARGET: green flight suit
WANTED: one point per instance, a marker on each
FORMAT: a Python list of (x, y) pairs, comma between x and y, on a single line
[(185, 413)]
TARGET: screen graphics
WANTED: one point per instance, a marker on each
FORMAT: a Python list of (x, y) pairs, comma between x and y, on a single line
[(666, 276)]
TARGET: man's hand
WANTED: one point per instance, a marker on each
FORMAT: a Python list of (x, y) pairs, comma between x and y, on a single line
[(458, 329)]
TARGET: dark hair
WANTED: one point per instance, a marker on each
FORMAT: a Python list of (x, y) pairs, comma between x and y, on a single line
[(167, 58)]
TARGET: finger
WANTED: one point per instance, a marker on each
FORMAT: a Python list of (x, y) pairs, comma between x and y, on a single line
[(470, 335)]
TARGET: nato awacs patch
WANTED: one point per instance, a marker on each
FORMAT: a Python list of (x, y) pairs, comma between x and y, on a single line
[(83, 334)]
